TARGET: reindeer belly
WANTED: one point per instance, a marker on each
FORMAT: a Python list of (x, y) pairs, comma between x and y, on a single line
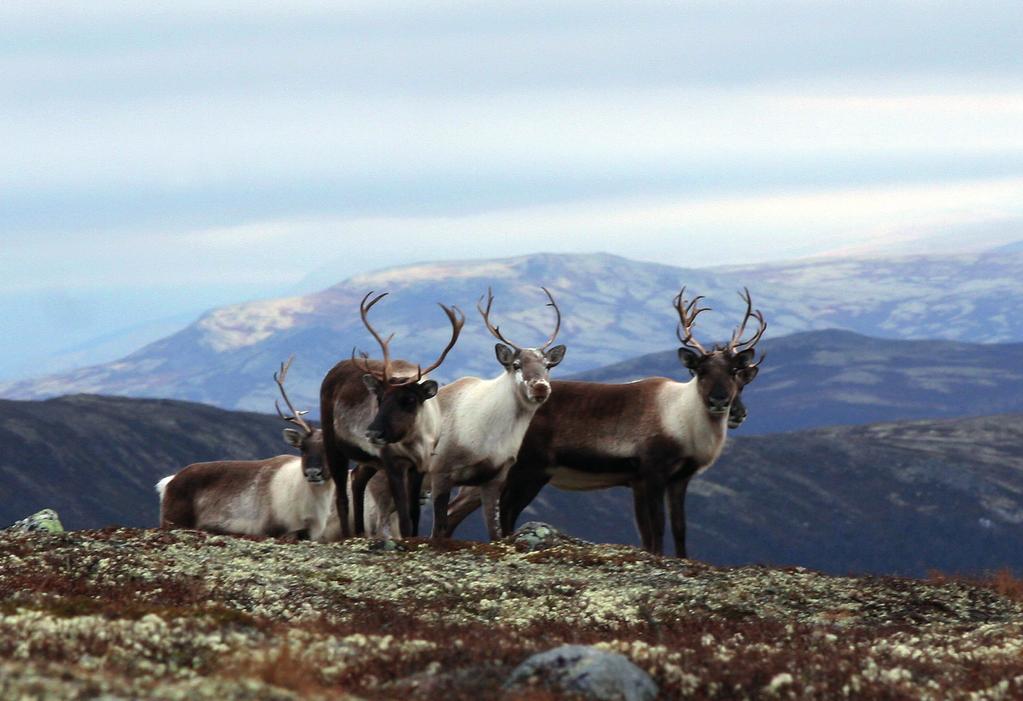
[(579, 480), (475, 475)]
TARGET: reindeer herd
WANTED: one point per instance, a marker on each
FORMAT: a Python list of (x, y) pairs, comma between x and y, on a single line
[(398, 434)]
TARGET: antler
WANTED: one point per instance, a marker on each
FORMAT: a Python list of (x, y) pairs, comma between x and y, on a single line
[(737, 345), (384, 375), (557, 325), (454, 315), (296, 416), (457, 319), (496, 330), (687, 313)]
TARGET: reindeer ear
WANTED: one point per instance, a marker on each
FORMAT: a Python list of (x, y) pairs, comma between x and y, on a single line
[(505, 354), (743, 358), (428, 389), (555, 355), (293, 437), (371, 382), (689, 358), (746, 375)]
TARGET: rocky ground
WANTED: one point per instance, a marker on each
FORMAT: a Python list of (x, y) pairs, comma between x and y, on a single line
[(121, 613)]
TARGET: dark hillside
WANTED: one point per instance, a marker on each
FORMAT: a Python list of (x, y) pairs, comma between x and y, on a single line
[(96, 459)]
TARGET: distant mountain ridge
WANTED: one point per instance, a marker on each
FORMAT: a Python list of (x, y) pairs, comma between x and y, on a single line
[(613, 308)]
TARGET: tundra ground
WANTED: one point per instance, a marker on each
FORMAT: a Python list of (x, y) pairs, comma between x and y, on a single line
[(148, 613)]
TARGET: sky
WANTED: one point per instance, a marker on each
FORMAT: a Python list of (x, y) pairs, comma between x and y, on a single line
[(160, 161)]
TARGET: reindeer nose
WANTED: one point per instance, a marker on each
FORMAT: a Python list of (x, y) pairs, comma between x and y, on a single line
[(374, 435), (540, 390), (718, 402)]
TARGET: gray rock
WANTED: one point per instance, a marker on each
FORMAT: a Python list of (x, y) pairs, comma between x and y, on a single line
[(540, 536), (45, 521), (592, 673)]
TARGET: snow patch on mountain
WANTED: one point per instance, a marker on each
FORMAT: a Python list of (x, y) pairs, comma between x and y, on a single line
[(241, 325)]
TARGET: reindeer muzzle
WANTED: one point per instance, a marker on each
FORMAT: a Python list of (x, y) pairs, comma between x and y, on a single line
[(539, 391), (315, 476)]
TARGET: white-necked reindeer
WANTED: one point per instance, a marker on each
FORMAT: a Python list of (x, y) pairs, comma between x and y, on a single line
[(482, 423), (282, 496), (652, 435)]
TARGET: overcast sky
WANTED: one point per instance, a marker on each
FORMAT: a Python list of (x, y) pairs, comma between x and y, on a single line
[(157, 162)]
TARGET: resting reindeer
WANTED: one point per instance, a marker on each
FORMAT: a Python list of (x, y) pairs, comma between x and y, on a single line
[(483, 422), (281, 496), (379, 413), (652, 435)]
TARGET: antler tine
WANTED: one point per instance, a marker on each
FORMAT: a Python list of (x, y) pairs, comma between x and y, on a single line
[(687, 314), (457, 319), (557, 325), (296, 416), (495, 331), (363, 312), (737, 344), (362, 362)]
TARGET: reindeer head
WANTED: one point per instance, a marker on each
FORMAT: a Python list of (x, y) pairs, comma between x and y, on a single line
[(307, 439), (399, 399), (723, 372), (529, 366)]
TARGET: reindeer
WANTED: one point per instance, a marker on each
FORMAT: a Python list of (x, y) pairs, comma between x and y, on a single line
[(281, 496), (379, 414), (652, 435), (483, 421)]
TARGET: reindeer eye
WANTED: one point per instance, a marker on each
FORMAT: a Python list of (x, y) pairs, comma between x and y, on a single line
[(517, 365)]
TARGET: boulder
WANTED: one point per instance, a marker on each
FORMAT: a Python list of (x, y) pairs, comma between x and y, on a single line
[(534, 536), (587, 671), (45, 521)]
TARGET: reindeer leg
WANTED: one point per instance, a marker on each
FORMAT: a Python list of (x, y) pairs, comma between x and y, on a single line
[(361, 476), (490, 492), (415, 479), (340, 477), (655, 509), (467, 501), (395, 469), (520, 488), (639, 502), (677, 511), (440, 490), (337, 463)]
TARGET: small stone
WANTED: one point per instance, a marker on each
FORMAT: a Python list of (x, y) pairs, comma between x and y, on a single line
[(587, 671)]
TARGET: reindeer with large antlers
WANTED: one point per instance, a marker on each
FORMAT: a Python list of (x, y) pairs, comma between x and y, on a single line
[(281, 496), (483, 421), (378, 413), (652, 435)]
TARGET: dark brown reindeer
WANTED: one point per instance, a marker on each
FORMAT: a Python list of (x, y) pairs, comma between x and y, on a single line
[(378, 413), (281, 496), (652, 435)]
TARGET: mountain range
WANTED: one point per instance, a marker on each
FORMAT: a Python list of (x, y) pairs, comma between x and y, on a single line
[(896, 498), (613, 308)]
